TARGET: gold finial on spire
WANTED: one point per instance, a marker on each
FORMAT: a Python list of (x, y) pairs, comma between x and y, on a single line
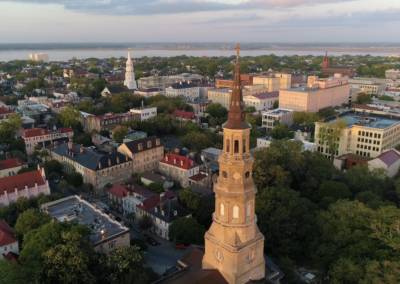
[(237, 49)]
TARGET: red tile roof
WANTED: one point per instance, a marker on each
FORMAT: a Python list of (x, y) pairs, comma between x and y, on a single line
[(19, 181), (11, 163), (197, 177), (183, 114), (5, 111), (116, 128), (6, 234), (179, 161), (389, 157), (66, 130), (121, 191), (152, 202), (13, 257), (81, 72), (38, 132), (365, 107)]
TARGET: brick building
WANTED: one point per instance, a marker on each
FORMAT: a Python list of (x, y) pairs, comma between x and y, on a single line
[(330, 70), (108, 121), (40, 135)]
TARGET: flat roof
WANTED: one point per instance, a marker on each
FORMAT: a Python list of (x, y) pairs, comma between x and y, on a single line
[(278, 111), (370, 120), (82, 212)]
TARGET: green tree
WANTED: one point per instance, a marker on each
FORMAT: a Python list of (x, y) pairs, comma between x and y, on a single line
[(275, 105), (130, 217), (363, 98), (336, 190), (189, 198), (212, 68), (70, 261), (63, 185), (139, 243), (216, 110), (250, 109), (70, 117), (145, 223), (44, 154), (195, 141), (29, 220), (15, 120), (87, 188), (120, 134), (386, 98), (187, 230), (329, 135), (281, 131), (10, 273), (53, 176), (22, 203), (156, 187), (75, 179), (53, 166)]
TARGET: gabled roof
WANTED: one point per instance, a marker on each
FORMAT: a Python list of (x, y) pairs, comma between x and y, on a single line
[(178, 161), (117, 89), (19, 181), (389, 157), (153, 177), (169, 211), (116, 128), (5, 111), (11, 163), (133, 146), (7, 235), (121, 191), (183, 114), (152, 202)]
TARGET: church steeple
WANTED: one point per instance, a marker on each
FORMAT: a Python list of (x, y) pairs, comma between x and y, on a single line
[(234, 244), (130, 74), (325, 63), (237, 114)]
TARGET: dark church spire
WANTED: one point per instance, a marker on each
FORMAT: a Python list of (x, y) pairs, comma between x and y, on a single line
[(237, 115)]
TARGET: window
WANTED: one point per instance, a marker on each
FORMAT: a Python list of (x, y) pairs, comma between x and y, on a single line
[(222, 210), (236, 146), (248, 210), (101, 249), (123, 240), (228, 142), (244, 146), (5, 248), (111, 245), (235, 213)]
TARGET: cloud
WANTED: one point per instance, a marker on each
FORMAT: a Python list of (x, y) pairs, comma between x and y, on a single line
[(154, 7), (235, 18)]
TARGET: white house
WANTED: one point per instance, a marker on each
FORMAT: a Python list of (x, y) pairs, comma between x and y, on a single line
[(66, 94), (145, 113), (187, 90), (8, 240), (389, 160)]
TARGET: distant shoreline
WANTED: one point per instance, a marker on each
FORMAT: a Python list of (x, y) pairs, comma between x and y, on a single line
[(388, 50)]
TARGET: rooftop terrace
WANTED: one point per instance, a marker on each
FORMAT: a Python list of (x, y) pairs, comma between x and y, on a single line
[(73, 209), (367, 120)]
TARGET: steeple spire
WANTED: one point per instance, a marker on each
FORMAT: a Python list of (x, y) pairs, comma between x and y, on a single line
[(325, 63), (236, 116)]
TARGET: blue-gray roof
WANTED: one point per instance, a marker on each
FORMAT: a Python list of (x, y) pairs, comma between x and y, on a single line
[(367, 120), (90, 159)]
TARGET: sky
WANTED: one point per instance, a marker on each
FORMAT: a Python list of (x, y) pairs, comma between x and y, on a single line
[(286, 21)]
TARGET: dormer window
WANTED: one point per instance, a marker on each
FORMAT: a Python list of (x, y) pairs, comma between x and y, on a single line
[(148, 144), (174, 161), (162, 213), (158, 142), (181, 163), (175, 213), (156, 209), (166, 158), (140, 147)]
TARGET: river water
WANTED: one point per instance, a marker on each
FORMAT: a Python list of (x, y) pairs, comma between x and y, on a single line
[(62, 55)]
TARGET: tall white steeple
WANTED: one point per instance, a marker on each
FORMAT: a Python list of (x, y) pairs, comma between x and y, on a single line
[(130, 74)]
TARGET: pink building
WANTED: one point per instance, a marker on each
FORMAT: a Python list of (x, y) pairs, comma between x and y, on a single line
[(39, 135), (27, 184), (318, 94)]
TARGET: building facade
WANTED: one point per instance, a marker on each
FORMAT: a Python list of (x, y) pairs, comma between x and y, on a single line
[(369, 86), (159, 83), (182, 169), (108, 121), (10, 167), (319, 94), (145, 113), (262, 101), (280, 115), (393, 74), (145, 153), (130, 81), (186, 90), (275, 81), (41, 136), (8, 240)]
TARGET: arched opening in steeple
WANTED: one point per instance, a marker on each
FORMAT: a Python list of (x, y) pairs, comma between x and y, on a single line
[(222, 209), (228, 143), (236, 146), (244, 145)]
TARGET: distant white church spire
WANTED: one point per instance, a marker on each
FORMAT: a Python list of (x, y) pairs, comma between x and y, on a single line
[(130, 74)]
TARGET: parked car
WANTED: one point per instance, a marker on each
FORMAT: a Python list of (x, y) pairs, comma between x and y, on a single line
[(181, 246), (151, 241)]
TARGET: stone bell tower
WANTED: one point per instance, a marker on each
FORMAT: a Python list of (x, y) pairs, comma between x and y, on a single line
[(234, 244)]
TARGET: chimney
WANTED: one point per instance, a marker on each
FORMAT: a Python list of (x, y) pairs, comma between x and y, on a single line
[(192, 156), (102, 210), (110, 215), (43, 131), (55, 127), (80, 197), (8, 156), (113, 217), (162, 195), (99, 166), (117, 160), (56, 144), (82, 150), (177, 151), (109, 162), (70, 143), (122, 224), (95, 206)]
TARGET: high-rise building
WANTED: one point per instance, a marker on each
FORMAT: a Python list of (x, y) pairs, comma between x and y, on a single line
[(130, 74), (330, 70)]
